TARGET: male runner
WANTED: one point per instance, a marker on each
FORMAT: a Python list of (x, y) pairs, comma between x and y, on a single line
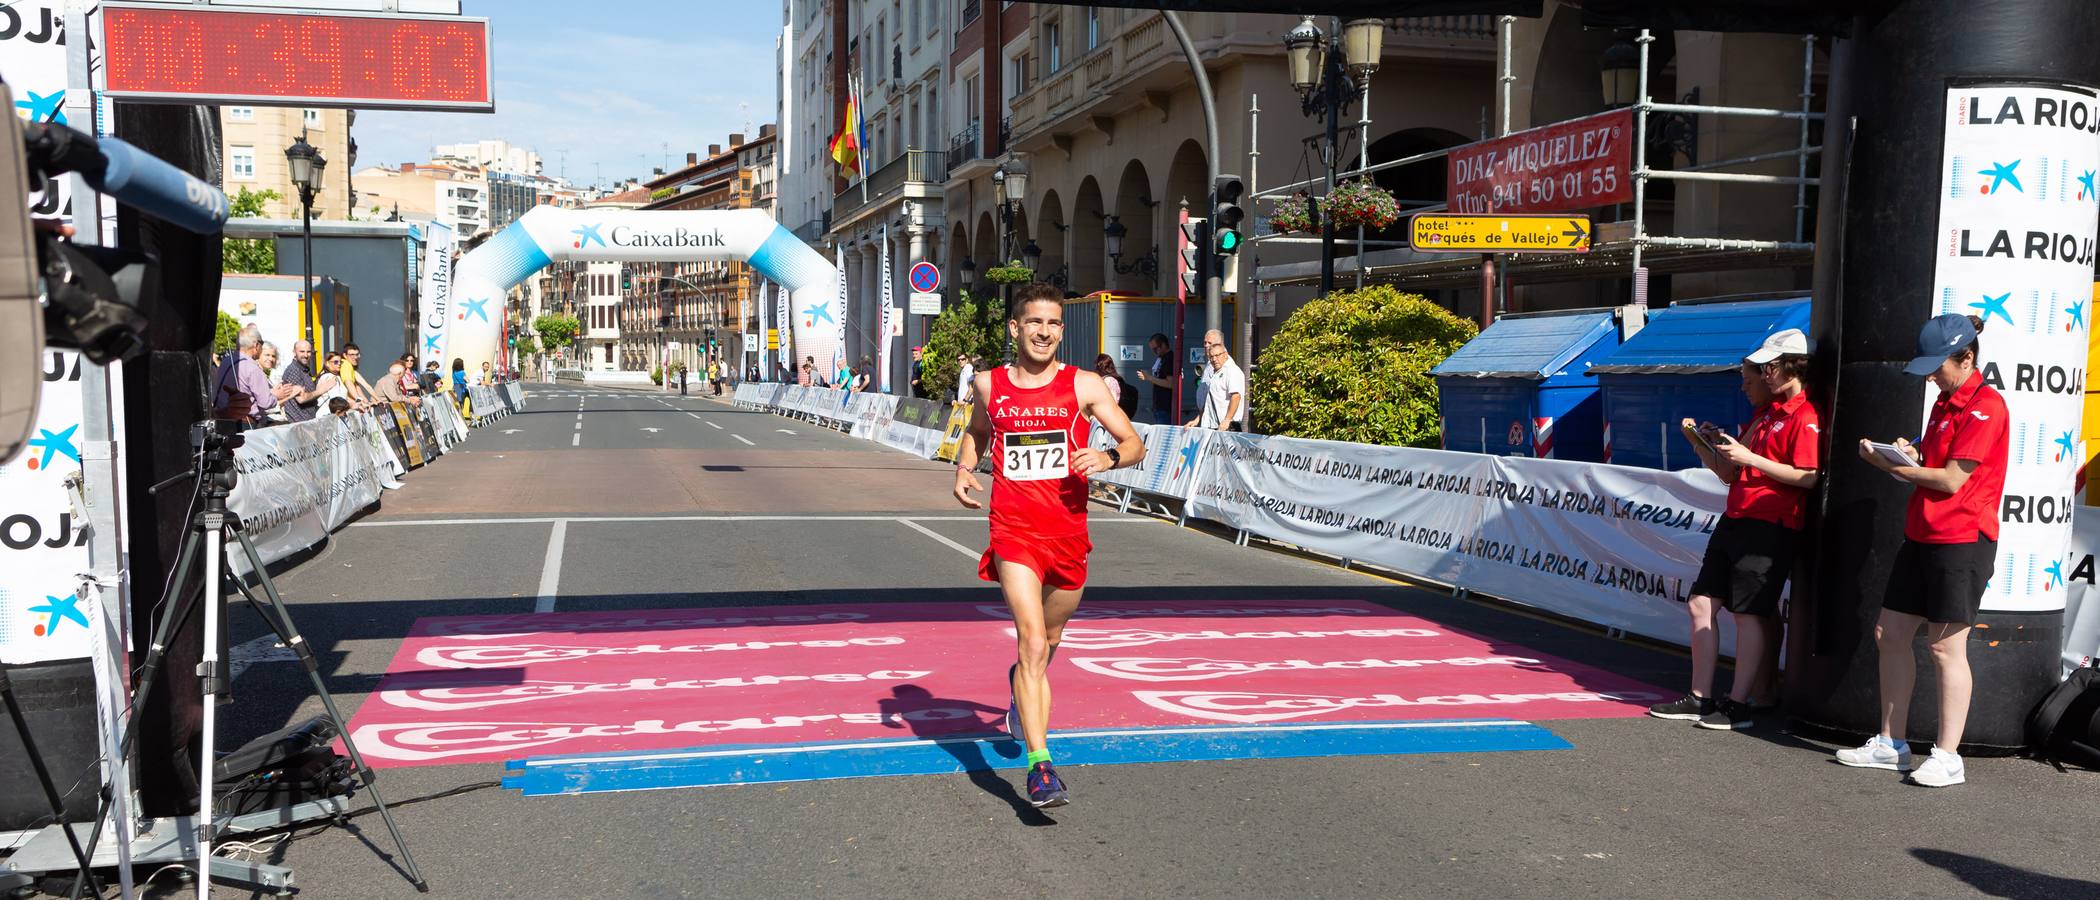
[(1032, 415)]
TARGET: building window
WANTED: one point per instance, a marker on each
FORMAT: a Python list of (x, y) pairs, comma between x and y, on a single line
[(312, 118), (1093, 27), (240, 113), (1017, 77), (1053, 49), (241, 162)]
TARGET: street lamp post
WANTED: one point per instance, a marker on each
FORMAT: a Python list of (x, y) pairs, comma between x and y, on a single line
[(1112, 236), (1329, 72), (307, 165)]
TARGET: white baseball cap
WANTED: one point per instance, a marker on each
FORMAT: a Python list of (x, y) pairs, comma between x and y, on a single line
[(1791, 342)]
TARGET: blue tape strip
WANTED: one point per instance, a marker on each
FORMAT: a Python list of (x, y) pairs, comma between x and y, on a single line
[(707, 766)]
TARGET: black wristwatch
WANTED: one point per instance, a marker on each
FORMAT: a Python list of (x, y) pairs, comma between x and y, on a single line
[(1115, 458)]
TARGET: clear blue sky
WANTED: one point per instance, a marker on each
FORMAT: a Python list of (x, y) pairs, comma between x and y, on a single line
[(612, 82)]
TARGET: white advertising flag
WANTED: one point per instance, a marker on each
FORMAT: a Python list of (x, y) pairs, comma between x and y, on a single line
[(436, 290)]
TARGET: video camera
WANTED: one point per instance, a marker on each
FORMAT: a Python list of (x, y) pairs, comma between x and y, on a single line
[(73, 296)]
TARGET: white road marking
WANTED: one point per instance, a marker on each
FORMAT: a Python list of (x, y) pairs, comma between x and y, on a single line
[(550, 570), (940, 537), (747, 441), (709, 424), (697, 416), (576, 440), (579, 424)]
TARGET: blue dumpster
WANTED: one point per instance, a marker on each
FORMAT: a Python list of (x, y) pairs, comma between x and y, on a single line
[(1685, 364), (1524, 386)]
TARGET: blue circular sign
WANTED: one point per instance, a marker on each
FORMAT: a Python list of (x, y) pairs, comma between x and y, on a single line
[(925, 278)]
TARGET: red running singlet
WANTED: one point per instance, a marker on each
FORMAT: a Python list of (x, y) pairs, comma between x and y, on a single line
[(1035, 431)]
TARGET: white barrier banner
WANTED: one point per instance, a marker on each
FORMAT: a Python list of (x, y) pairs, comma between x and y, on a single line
[(284, 483), (1173, 458), (2082, 612), (43, 549), (1401, 508), (444, 416), (515, 393), (1612, 545)]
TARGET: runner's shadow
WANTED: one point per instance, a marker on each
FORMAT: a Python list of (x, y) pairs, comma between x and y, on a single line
[(966, 744)]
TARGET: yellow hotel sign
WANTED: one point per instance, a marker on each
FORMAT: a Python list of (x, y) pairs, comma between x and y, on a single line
[(1437, 232)]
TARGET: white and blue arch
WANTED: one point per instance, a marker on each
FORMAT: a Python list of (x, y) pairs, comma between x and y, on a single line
[(546, 234)]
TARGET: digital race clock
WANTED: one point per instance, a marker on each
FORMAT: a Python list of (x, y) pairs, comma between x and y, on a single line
[(198, 54)]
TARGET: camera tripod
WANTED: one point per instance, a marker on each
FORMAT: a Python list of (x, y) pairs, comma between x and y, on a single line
[(205, 542)]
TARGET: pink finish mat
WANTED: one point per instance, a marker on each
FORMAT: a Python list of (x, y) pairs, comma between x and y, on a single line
[(491, 688)]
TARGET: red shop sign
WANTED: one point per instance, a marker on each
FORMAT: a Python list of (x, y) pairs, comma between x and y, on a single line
[(1578, 164)]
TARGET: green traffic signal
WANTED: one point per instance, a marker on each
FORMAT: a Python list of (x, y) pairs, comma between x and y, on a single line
[(1229, 241)]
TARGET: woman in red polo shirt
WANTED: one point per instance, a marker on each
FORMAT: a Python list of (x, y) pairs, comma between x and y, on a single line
[(1950, 538), (1769, 472)]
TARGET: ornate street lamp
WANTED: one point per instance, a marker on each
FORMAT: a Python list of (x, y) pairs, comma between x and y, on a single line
[(1031, 255), (307, 166), (1329, 72), (1620, 69)]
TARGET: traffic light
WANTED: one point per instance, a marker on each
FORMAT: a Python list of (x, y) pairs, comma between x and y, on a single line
[(1195, 242), (1226, 213), (626, 280)]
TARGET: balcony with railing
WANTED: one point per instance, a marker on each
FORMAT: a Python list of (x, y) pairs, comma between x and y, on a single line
[(914, 173)]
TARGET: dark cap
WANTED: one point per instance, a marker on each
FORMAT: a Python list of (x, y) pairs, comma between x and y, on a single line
[(1942, 337)]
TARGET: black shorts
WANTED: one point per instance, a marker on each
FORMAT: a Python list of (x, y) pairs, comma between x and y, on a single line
[(1747, 564), (1941, 583)]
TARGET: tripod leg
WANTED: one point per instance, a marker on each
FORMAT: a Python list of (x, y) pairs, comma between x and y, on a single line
[(279, 618), (43, 777), (175, 609)]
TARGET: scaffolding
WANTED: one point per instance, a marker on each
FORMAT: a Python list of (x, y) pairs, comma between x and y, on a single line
[(1637, 253)]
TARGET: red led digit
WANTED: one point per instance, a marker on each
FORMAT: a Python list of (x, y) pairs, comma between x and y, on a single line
[(322, 41)]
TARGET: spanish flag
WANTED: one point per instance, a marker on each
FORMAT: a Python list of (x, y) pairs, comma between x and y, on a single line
[(846, 147)]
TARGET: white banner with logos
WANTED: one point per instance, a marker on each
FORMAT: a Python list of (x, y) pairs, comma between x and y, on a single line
[(2015, 249), (1613, 545), (435, 303), (1173, 456), (43, 547), (299, 482), (1398, 507)]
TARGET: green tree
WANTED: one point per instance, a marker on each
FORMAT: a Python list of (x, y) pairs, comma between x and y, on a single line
[(556, 330), (1354, 366), (968, 326), (526, 345), (252, 257), (226, 335)]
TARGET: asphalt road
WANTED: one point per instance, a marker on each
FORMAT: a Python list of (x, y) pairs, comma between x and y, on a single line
[(1638, 808)]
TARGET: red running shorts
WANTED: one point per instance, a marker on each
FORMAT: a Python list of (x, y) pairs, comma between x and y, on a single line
[(1059, 562)]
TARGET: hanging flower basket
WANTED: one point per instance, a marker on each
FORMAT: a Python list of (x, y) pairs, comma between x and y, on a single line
[(1011, 273), (1293, 213), (1361, 202)]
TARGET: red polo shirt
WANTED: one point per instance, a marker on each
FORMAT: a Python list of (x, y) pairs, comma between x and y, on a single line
[(1971, 423), (1787, 432)]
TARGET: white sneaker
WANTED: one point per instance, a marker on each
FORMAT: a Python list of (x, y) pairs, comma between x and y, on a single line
[(1941, 769), (1878, 753)]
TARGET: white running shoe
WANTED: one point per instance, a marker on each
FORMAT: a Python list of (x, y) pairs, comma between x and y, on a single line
[(1941, 769), (1878, 753)]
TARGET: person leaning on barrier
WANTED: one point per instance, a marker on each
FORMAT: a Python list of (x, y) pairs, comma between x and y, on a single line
[(1950, 541), (1769, 472), (390, 391), (240, 391), (301, 405)]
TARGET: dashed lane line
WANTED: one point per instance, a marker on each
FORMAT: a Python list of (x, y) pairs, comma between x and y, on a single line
[(550, 569), (747, 441), (939, 537)]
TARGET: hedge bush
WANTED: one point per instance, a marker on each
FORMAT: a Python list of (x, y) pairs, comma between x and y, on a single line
[(1354, 366)]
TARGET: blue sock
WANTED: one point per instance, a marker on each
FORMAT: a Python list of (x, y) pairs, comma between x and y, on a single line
[(1038, 756)]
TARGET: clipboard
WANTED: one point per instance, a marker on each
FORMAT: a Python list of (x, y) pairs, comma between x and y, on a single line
[(1893, 455), (1700, 436)]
